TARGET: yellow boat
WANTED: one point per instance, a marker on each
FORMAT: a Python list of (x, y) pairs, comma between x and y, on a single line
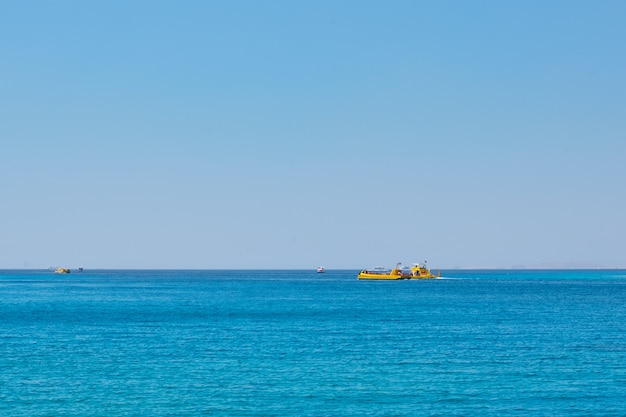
[(416, 271), (422, 272), (61, 270), (381, 273)]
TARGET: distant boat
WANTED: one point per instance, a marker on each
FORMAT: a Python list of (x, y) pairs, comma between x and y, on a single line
[(61, 270), (321, 270)]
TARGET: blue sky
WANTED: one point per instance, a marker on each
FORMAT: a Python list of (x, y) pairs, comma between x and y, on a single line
[(292, 134)]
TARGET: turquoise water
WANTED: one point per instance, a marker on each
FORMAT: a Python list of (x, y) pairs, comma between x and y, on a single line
[(297, 343)]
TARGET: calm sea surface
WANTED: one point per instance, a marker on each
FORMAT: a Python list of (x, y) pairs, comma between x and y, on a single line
[(298, 343)]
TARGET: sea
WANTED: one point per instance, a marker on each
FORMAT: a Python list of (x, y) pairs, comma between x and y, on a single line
[(298, 343)]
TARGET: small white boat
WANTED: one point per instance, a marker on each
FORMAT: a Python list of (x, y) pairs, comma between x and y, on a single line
[(321, 270)]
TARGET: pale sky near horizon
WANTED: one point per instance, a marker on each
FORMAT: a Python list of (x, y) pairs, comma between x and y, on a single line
[(293, 134)]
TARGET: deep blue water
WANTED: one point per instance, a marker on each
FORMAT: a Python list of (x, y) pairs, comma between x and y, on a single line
[(298, 343)]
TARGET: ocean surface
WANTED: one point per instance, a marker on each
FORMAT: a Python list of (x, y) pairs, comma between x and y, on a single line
[(298, 343)]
